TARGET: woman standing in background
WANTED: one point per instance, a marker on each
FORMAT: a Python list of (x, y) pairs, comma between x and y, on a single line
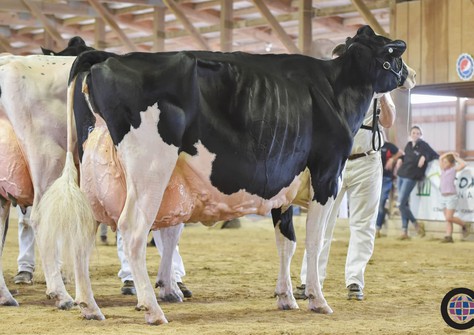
[(411, 168)]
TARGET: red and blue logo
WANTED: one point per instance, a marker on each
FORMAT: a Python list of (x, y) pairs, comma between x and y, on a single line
[(465, 66)]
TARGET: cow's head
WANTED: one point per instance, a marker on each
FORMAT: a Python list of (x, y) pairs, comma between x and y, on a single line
[(387, 69), (75, 46)]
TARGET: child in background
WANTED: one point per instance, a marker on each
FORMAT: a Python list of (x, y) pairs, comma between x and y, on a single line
[(449, 197)]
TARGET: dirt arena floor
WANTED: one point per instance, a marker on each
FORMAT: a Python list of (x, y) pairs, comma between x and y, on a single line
[(232, 273)]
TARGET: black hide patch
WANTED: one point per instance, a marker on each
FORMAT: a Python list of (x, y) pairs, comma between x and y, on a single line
[(286, 222)]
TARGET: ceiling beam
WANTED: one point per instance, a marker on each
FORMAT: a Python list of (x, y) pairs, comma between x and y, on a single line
[(48, 27), (176, 10), (272, 21), (5, 45), (158, 34), (226, 22), (305, 27), (110, 20), (369, 17)]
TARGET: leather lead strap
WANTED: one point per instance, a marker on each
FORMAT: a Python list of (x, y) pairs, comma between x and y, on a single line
[(375, 126)]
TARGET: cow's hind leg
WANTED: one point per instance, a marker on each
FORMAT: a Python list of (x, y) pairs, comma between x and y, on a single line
[(134, 242), (84, 295), (6, 298), (169, 290), (66, 216), (286, 244), (49, 251)]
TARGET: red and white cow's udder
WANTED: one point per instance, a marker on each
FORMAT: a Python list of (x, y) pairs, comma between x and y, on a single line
[(189, 195), (14, 173)]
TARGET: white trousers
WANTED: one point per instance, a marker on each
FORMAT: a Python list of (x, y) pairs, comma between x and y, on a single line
[(125, 272), (26, 242), (362, 181)]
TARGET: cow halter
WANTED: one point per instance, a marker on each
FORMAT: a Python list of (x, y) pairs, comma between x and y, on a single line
[(387, 66)]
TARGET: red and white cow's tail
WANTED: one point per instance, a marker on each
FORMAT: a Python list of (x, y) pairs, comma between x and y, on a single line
[(65, 215)]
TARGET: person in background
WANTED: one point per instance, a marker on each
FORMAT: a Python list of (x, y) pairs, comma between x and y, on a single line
[(103, 233), (26, 257), (125, 273), (411, 168), (390, 154), (362, 179), (450, 163), (26, 246)]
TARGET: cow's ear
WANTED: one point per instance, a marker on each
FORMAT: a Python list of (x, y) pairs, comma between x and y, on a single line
[(76, 41), (365, 30), (395, 48), (47, 52)]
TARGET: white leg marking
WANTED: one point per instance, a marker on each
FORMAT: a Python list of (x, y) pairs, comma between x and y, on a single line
[(284, 290), (148, 163)]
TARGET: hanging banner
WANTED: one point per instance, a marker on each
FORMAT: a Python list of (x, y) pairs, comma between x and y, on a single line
[(425, 197)]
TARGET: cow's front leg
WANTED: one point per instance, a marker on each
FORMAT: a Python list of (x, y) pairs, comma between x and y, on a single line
[(168, 237), (316, 223), (6, 298), (286, 245)]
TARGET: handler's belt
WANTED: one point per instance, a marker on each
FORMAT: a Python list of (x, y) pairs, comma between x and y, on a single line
[(363, 154)]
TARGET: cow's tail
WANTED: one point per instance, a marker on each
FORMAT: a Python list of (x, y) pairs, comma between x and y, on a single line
[(65, 216)]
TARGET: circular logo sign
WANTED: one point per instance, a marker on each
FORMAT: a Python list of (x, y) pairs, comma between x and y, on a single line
[(465, 66), (457, 308)]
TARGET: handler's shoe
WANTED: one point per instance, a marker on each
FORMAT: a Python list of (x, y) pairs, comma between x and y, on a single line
[(466, 229), (355, 291), (420, 228), (300, 293), (447, 239), (23, 277), (128, 288), (186, 292), (403, 237), (103, 240)]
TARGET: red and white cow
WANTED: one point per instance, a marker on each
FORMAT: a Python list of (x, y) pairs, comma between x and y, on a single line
[(202, 136)]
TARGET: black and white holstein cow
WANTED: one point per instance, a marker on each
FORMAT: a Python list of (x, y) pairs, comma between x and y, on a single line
[(208, 136), (33, 145)]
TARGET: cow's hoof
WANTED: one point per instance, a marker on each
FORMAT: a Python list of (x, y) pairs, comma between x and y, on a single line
[(90, 313), (286, 302), (11, 302), (171, 297), (65, 305), (321, 309), (93, 316), (153, 320)]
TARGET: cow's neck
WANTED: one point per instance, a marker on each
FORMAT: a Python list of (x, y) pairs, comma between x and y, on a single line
[(354, 93)]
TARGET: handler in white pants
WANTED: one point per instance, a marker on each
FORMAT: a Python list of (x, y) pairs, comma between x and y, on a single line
[(26, 252), (125, 272), (362, 180)]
